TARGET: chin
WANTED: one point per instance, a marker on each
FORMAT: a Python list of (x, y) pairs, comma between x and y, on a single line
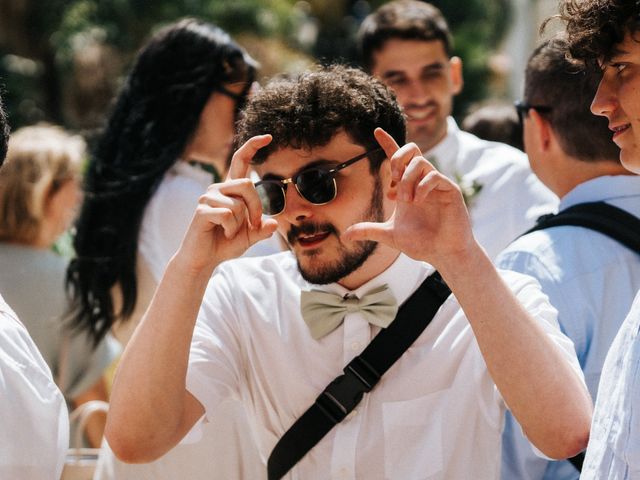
[(630, 159)]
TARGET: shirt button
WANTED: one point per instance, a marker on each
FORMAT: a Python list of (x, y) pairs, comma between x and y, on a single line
[(344, 472), (352, 414), (355, 346)]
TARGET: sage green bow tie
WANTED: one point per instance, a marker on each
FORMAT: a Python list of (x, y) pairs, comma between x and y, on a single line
[(323, 312)]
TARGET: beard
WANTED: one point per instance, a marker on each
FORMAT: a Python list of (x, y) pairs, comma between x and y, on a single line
[(349, 259)]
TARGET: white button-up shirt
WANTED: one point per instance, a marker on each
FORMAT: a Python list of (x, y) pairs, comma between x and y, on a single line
[(614, 445), (34, 423), (435, 414), (511, 197)]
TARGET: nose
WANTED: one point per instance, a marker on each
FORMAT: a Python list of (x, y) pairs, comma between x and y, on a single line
[(605, 100), (417, 92), (296, 207)]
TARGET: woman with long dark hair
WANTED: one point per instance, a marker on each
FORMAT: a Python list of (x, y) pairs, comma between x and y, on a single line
[(168, 137)]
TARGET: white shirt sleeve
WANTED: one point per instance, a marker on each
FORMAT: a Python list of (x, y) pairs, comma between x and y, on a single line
[(215, 360), (34, 435)]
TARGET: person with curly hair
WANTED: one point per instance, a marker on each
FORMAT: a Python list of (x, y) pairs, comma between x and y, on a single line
[(362, 216), (590, 278), (605, 34)]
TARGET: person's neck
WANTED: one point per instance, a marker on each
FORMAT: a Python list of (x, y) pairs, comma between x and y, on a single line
[(578, 172), (381, 259), (427, 144)]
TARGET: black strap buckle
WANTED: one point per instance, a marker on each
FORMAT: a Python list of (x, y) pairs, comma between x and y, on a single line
[(343, 394)]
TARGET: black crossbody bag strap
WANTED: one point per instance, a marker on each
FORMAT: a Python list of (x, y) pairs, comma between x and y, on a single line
[(360, 376), (599, 216), (606, 219)]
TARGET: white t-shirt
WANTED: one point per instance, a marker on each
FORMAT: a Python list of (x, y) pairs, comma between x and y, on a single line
[(34, 423), (510, 198), (435, 414)]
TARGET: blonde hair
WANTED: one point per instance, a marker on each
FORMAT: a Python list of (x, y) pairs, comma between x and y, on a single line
[(39, 161)]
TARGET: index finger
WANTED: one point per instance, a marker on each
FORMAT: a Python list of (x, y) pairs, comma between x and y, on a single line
[(386, 141), (239, 166)]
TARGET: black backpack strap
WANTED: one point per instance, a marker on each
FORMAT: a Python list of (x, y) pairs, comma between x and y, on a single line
[(577, 461), (360, 376), (599, 216)]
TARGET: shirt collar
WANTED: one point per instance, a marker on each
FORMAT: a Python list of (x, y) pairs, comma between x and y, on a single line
[(602, 188), (403, 277), (446, 152), (182, 167)]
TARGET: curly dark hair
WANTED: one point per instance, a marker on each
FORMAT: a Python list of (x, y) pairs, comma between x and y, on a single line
[(4, 133), (307, 111), (405, 20), (596, 27), (154, 119)]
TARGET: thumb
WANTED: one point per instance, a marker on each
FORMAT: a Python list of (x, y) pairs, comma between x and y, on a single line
[(376, 232), (266, 228)]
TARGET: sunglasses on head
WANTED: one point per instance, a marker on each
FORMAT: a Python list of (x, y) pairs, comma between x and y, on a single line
[(316, 185)]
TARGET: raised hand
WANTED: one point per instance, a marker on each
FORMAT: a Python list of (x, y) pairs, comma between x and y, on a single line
[(228, 219), (430, 221)]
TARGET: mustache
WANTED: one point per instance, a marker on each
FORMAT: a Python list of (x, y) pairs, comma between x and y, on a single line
[(309, 229)]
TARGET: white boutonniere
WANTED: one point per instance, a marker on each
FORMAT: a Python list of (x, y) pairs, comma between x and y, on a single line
[(469, 189)]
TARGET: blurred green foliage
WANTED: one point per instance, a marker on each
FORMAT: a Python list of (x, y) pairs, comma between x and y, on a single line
[(42, 44)]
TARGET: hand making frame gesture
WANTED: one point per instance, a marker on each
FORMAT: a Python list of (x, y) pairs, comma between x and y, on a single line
[(430, 221)]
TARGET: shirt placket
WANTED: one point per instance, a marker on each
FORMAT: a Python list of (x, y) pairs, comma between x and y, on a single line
[(357, 335)]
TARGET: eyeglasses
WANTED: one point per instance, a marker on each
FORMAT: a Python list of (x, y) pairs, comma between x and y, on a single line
[(523, 108), (316, 185)]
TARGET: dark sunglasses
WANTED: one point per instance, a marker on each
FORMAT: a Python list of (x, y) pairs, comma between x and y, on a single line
[(523, 108), (316, 185)]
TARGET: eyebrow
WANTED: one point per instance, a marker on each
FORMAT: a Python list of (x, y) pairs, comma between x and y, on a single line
[(435, 66), (615, 53), (316, 163)]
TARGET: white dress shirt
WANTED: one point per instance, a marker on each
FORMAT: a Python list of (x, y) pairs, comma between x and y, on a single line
[(614, 445), (511, 196), (34, 423), (225, 446), (436, 414), (592, 280)]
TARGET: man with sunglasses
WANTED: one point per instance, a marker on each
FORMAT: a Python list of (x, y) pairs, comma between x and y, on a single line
[(589, 277), (362, 217), (407, 44)]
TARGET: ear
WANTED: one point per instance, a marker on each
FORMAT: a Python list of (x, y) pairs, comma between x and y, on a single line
[(61, 205), (542, 130), (457, 82)]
